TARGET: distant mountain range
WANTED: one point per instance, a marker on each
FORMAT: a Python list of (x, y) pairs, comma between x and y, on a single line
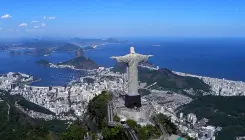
[(47, 46), (90, 42)]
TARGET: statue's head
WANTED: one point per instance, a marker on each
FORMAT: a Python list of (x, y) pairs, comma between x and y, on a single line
[(132, 50)]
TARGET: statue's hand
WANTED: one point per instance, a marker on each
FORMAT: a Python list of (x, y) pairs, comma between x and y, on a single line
[(150, 55), (113, 57)]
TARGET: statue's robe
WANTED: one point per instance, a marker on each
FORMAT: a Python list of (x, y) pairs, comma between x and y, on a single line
[(132, 60)]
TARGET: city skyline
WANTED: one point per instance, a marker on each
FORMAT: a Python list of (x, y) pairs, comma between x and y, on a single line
[(122, 18)]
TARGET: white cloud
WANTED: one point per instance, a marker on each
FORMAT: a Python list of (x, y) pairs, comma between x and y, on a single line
[(34, 21), (51, 18), (44, 17), (43, 25), (23, 25), (36, 26), (6, 16)]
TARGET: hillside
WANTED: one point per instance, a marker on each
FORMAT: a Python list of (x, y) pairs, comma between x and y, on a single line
[(81, 63), (23, 102), (15, 125), (227, 112), (166, 79)]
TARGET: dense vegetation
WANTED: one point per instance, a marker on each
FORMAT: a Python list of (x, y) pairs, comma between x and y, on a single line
[(97, 109), (227, 112), (23, 102), (144, 132), (165, 122), (16, 125), (166, 79), (74, 132), (81, 63), (98, 112)]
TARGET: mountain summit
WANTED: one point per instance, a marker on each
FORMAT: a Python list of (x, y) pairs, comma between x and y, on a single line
[(81, 62)]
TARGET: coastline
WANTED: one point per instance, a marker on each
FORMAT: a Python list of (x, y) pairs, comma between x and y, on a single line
[(218, 86), (28, 83), (68, 67)]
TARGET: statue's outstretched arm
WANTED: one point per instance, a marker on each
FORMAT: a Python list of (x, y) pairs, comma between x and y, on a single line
[(144, 57), (113, 57), (121, 59)]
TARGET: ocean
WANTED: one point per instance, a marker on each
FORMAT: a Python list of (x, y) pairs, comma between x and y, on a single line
[(219, 58), (49, 76)]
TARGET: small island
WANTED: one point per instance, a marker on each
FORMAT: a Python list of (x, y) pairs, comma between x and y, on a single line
[(44, 63), (14, 53)]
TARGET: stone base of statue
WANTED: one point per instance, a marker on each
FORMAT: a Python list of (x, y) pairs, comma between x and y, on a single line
[(132, 101)]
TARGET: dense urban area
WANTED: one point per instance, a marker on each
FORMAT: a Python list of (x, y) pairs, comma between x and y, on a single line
[(71, 102)]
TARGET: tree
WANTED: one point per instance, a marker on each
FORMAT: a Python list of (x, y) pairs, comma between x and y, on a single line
[(74, 132), (116, 118), (115, 133), (131, 123), (167, 124), (97, 107), (148, 131)]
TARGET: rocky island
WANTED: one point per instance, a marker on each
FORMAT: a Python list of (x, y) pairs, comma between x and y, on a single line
[(43, 63), (81, 62), (14, 53)]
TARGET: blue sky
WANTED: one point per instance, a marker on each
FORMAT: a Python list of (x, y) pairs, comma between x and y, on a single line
[(123, 18)]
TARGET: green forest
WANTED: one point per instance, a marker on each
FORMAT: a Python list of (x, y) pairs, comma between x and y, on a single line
[(224, 111)]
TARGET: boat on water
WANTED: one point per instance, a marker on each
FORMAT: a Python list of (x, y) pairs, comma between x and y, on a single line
[(156, 45)]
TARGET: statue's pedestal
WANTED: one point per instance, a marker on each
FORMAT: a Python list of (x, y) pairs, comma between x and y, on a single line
[(132, 101)]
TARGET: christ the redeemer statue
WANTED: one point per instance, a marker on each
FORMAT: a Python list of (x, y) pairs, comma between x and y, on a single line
[(132, 60)]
